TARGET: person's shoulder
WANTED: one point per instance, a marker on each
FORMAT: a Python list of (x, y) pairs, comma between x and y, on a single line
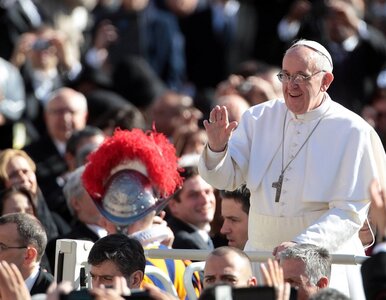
[(178, 225), (346, 116), (268, 107)]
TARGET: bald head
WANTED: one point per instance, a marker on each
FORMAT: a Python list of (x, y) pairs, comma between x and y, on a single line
[(65, 112), (228, 265)]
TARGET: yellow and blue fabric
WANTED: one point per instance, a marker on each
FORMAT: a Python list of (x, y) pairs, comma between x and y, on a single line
[(175, 268)]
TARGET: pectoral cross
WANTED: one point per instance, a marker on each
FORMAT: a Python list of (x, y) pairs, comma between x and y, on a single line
[(277, 185)]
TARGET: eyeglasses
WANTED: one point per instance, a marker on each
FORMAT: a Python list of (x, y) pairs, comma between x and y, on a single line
[(296, 78), (4, 247), (62, 111)]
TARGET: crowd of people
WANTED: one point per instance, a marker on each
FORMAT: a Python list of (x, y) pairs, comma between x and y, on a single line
[(220, 125)]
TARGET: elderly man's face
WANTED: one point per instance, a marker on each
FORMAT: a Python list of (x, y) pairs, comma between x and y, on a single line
[(64, 115), (304, 97), (295, 275)]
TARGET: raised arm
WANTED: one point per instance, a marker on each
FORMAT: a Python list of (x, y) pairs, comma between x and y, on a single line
[(218, 128)]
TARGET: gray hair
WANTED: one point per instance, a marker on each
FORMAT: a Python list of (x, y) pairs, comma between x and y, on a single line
[(74, 187), (29, 229), (317, 260), (329, 294)]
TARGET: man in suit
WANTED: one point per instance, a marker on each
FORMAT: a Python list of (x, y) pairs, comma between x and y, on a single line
[(64, 113), (22, 242), (192, 209), (85, 213)]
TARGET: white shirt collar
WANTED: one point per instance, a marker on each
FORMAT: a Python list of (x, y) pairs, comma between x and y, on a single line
[(60, 146), (30, 281), (316, 113), (99, 231), (204, 233)]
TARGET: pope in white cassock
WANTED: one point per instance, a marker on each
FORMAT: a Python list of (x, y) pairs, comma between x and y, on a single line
[(307, 160)]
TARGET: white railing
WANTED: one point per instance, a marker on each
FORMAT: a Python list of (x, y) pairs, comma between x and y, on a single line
[(256, 256), (260, 256)]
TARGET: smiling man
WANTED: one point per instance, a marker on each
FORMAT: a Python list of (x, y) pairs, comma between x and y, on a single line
[(192, 209), (307, 160)]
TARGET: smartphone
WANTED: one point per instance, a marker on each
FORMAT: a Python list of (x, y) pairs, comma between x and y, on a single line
[(85, 295), (256, 292)]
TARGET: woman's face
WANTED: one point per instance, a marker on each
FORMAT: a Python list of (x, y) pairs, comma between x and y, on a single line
[(17, 203), (20, 173)]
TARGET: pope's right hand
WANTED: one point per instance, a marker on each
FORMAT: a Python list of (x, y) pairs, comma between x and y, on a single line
[(218, 128)]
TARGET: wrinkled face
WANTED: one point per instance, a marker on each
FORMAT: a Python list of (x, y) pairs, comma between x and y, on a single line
[(104, 273), (64, 115), (294, 274), (17, 203), (197, 202), (235, 226), (304, 97), (19, 173), (226, 269), (9, 237)]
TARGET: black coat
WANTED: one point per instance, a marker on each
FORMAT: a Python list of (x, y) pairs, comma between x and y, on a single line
[(50, 166), (374, 276), (186, 237), (42, 283)]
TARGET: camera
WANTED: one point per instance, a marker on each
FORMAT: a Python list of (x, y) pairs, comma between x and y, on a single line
[(41, 44), (84, 294)]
